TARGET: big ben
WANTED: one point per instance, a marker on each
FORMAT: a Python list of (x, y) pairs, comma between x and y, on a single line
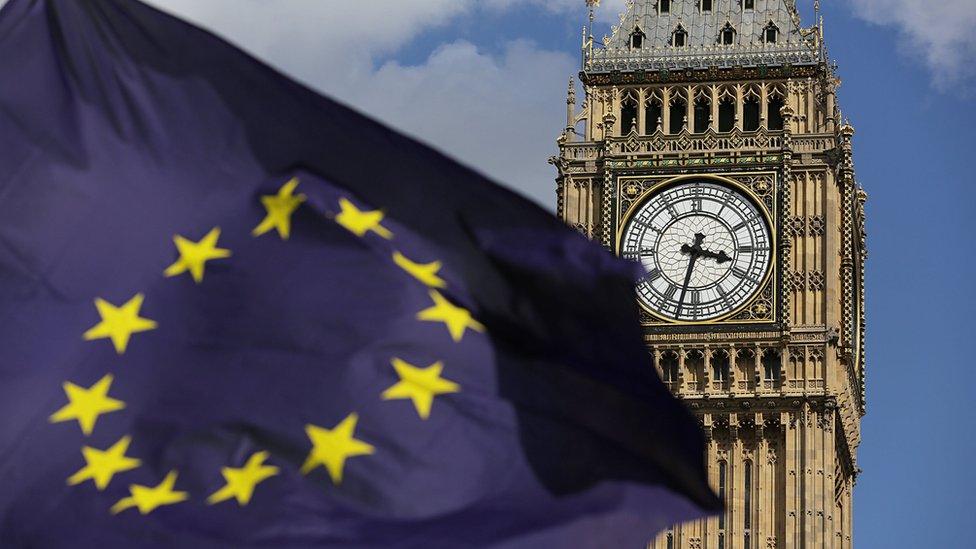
[(710, 148)]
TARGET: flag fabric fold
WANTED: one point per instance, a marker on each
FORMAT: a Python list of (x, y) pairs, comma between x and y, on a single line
[(236, 313)]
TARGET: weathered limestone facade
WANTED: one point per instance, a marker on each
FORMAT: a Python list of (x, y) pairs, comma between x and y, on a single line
[(778, 385)]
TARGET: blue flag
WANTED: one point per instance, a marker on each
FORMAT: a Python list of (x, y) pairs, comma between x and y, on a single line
[(237, 314)]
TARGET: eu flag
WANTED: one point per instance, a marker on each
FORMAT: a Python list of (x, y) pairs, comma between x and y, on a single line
[(237, 314)]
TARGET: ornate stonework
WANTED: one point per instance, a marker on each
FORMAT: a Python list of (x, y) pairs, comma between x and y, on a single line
[(779, 386)]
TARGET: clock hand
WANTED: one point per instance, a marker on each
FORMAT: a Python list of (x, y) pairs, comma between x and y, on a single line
[(695, 252), (684, 288), (696, 249), (720, 257)]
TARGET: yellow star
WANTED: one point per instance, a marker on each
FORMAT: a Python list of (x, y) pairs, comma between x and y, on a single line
[(280, 207), (147, 499), (119, 323), (331, 447), (456, 318), (420, 385), (193, 255), (103, 465), (359, 222), (424, 272), (86, 405), (241, 482)]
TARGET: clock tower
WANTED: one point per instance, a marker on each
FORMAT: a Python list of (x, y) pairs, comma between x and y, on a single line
[(709, 147)]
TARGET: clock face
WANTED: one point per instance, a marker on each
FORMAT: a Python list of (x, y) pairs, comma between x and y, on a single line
[(706, 249)]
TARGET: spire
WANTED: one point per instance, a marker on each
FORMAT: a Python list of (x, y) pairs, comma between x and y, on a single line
[(767, 32)]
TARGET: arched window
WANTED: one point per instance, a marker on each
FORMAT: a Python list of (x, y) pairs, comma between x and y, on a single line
[(770, 33), (679, 38), (678, 112), (664, 5), (706, 6), (747, 506), (637, 39), (670, 540), (750, 115), (771, 366), (726, 115), (727, 37), (652, 116), (628, 115), (720, 367), (774, 116), (669, 368), (703, 114), (722, 480)]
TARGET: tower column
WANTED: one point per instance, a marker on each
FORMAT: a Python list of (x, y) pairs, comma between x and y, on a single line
[(714, 122), (666, 110), (763, 105), (642, 112), (738, 106)]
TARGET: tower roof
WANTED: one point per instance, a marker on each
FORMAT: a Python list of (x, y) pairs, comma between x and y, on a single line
[(657, 21)]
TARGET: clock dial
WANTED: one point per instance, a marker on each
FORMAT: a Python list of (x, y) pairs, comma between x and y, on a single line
[(706, 249)]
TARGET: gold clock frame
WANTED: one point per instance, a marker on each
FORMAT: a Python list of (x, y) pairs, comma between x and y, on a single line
[(721, 179)]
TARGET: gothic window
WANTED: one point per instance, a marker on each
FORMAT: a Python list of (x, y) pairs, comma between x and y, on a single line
[(750, 114), (770, 33), (628, 115), (678, 112), (727, 37), (720, 367), (665, 6), (652, 116), (747, 505), (726, 115), (637, 39), (771, 366), (670, 540), (706, 6), (703, 114), (669, 368), (748, 4), (679, 38), (775, 114)]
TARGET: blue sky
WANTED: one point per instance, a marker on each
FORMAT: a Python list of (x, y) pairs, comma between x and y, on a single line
[(485, 81)]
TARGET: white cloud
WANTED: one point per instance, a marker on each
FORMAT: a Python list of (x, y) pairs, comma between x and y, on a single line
[(941, 33), (608, 11)]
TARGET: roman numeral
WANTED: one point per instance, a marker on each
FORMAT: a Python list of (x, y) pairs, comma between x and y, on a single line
[(669, 293), (653, 275), (743, 275), (745, 249)]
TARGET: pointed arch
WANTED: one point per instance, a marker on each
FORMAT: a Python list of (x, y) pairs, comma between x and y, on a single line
[(637, 38), (653, 112), (628, 112), (751, 109), (726, 36), (703, 110), (679, 38), (776, 100), (678, 112), (770, 33)]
